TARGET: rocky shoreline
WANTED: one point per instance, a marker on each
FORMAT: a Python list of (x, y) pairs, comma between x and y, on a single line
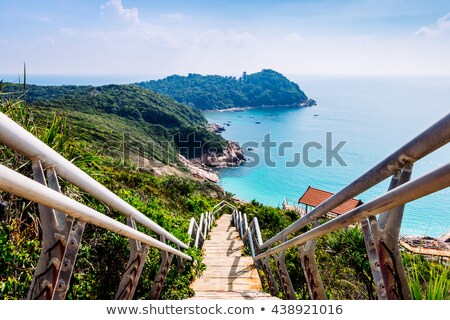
[(204, 168), (231, 156), (215, 128), (198, 170), (304, 104)]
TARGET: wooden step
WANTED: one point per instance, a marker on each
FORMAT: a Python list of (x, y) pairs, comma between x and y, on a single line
[(247, 295), (228, 274)]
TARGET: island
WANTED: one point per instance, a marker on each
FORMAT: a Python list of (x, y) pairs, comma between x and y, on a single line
[(266, 88)]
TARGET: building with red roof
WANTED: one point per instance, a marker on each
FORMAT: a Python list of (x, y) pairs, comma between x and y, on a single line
[(314, 197)]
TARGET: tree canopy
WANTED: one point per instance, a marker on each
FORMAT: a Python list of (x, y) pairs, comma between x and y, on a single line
[(163, 117), (265, 88)]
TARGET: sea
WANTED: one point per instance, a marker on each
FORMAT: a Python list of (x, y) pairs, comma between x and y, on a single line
[(362, 119), (365, 120)]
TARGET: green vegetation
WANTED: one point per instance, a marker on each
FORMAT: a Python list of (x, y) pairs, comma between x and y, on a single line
[(170, 201), (343, 263), (265, 88), (156, 124), (428, 280)]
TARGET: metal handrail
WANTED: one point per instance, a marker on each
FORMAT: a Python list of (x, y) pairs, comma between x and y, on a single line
[(221, 204), (199, 231), (24, 187), (431, 139), (420, 187), (20, 140), (62, 234)]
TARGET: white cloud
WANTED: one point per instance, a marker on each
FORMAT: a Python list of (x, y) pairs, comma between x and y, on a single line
[(135, 28), (116, 7), (442, 25), (173, 16)]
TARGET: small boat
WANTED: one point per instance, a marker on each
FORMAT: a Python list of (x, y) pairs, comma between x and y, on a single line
[(316, 115), (258, 122)]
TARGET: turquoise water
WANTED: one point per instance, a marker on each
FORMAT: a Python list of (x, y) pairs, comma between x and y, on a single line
[(375, 116)]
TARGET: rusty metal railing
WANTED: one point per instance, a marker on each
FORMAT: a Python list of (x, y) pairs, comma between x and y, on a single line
[(63, 219), (380, 234)]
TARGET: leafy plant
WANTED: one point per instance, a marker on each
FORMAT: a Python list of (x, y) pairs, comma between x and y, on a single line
[(428, 280)]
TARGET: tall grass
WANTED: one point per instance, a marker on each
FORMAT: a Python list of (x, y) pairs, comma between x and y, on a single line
[(428, 280)]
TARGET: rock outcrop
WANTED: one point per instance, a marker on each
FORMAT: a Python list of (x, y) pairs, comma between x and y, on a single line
[(232, 156), (198, 170), (214, 127)]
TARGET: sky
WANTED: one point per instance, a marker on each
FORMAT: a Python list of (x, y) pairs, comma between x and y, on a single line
[(146, 37)]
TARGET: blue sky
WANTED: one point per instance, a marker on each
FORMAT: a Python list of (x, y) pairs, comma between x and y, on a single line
[(382, 37)]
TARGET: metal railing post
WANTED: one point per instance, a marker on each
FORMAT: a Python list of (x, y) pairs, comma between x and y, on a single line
[(251, 242), (245, 230), (241, 223), (199, 236), (273, 287), (367, 225), (192, 231), (180, 262), (310, 269), (133, 271), (166, 260), (285, 279), (61, 242), (372, 255), (386, 232)]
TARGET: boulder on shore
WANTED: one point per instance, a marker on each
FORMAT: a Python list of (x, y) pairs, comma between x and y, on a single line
[(232, 156), (214, 127)]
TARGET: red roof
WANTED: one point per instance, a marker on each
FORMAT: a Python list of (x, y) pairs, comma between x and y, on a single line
[(313, 197)]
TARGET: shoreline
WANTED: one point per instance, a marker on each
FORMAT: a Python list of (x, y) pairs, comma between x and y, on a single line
[(305, 104)]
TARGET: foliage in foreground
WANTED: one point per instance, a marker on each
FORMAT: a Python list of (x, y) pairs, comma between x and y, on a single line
[(343, 263), (170, 201), (428, 280)]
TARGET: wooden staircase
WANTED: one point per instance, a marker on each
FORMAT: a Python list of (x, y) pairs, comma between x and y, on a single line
[(228, 274)]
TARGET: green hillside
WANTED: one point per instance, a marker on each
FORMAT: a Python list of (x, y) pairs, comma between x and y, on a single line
[(157, 124), (265, 88), (170, 201)]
